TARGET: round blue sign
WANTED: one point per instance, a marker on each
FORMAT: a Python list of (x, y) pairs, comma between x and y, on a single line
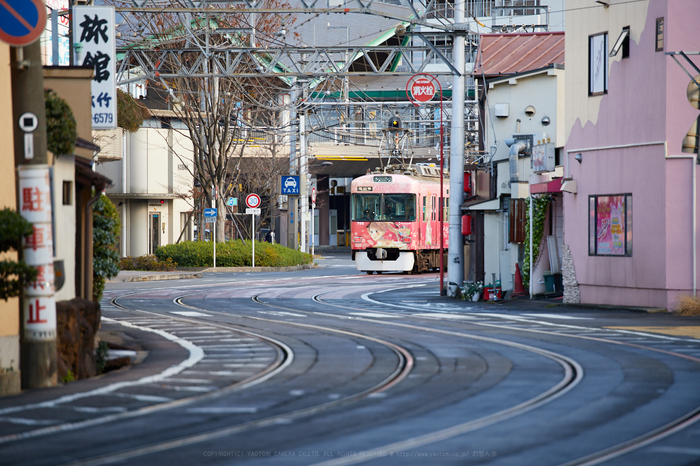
[(21, 21)]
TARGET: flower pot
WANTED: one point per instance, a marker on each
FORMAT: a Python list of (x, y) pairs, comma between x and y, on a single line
[(475, 296)]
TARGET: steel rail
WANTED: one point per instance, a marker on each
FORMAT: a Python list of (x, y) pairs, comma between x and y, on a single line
[(573, 374), (604, 455), (403, 368), (282, 361)]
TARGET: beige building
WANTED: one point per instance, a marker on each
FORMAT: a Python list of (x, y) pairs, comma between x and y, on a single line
[(9, 310)]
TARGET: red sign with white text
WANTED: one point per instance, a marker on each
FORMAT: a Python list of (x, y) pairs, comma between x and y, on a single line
[(423, 90)]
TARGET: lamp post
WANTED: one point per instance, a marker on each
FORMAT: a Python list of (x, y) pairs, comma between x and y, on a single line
[(422, 90)]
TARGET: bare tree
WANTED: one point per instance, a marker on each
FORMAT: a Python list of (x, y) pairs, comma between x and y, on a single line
[(221, 115)]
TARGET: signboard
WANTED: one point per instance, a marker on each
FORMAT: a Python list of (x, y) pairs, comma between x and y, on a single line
[(423, 90), (290, 185), (543, 157), (253, 211), (93, 30), (313, 196), (252, 201), (210, 212), (231, 201), (39, 308), (56, 31), (21, 23), (209, 219)]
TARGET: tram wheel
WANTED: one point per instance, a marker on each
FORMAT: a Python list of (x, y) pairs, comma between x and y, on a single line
[(370, 272)]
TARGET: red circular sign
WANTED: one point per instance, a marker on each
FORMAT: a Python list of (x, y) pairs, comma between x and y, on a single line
[(252, 201), (422, 90), (21, 22)]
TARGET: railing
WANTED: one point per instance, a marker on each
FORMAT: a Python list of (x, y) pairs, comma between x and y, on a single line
[(444, 9)]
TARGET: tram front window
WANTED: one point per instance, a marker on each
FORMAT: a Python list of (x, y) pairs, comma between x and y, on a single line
[(383, 207)]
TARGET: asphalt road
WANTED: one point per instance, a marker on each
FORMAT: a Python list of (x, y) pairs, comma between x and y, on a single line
[(330, 366)]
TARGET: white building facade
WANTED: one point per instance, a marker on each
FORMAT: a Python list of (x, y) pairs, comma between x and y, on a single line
[(151, 171)]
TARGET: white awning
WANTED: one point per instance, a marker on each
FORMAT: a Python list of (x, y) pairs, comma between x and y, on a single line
[(491, 204)]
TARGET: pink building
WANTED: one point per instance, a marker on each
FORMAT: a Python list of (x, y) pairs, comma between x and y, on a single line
[(631, 148)]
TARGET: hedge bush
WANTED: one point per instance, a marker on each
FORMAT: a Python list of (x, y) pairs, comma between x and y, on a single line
[(149, 262), (232, 254)]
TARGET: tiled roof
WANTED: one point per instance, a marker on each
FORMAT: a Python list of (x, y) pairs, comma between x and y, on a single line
[(504, 54)]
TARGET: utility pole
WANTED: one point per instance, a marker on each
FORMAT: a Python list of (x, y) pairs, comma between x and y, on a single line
[(455, 251), (38, 321)]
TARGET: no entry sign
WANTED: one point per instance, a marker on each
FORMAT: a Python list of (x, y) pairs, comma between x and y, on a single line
[(21, 21)]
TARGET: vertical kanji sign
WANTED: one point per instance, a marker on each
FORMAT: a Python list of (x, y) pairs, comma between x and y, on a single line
[(35, 206), (94, 30)]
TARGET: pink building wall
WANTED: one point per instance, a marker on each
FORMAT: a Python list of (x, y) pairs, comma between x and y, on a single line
[(646, 107)]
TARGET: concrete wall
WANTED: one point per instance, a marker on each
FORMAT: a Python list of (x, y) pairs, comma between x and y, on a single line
[(9, 310), (629, 140), (73, 86), (544, 91), (65, 223)]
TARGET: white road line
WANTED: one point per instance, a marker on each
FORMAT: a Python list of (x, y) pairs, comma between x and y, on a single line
[(443, 315), (557, 316), (379, 316), (108, 409), (227, 410), (28, 422), (190, 313), (196, 355)]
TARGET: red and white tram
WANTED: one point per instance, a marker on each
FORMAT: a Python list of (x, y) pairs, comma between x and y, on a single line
[(395, 220)]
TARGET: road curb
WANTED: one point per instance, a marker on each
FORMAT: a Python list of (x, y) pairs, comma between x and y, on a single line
[(176, 276)]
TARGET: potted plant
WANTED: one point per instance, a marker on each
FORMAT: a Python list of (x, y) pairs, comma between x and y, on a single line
[(471, 291)]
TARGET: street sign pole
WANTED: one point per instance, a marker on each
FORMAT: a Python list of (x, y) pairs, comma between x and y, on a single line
[(422, 87), (213, 204), (252, 218), (253, 202), (313, 220), (37, 320)]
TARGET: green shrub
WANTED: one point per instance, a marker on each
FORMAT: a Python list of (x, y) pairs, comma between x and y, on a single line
[(14, 275), (232, 254), (105, 257), (61, 128), (148, 262)]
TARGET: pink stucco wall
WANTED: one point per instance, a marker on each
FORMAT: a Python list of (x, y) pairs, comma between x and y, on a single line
[(646, 103)]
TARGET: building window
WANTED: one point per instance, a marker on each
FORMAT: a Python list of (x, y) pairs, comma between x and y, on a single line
[(626, 43), (67, 193), (659, 34), (598, 64), (610, 225)]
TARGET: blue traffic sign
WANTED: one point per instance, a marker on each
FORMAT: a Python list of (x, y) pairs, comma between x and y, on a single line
[(210, 212), (290, 185), (21, 21)]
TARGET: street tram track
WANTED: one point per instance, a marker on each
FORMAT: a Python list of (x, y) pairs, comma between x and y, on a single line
[(403, 368), (573, 374), (596, 458), (283, 359)]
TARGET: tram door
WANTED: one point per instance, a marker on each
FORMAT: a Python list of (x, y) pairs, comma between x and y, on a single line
[(153, 232)]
